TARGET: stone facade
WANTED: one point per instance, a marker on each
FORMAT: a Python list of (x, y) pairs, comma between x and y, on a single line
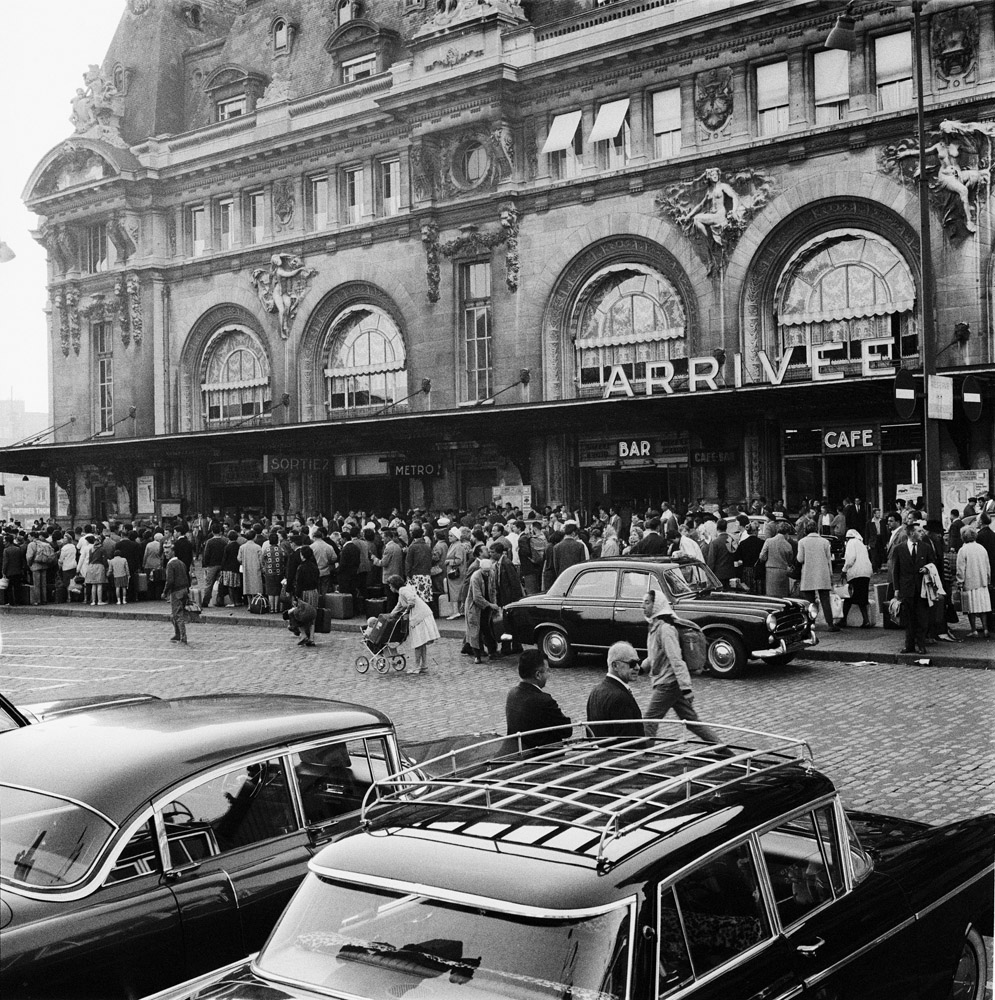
[(370, 210)]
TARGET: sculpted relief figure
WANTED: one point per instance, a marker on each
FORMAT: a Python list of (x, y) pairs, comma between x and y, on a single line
[(282, 286), (98, 107), (719, 204)]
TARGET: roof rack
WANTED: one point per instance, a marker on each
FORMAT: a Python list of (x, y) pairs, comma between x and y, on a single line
[(603, 786)]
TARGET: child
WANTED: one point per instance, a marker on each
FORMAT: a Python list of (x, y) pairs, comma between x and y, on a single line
[(119, 573), (370, 622), (301, 618)]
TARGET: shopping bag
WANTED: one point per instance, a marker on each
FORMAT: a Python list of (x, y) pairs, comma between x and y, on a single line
[(842, 590), (836, 606)]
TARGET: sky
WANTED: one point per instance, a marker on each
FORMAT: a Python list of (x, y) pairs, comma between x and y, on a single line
[(38, 78)]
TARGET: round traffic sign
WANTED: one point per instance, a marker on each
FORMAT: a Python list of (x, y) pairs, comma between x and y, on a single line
[(905, 394), (971, 392)]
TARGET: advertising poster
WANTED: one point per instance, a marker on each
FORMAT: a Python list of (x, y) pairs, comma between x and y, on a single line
[(517, 496), (146, 495), (957, 486)]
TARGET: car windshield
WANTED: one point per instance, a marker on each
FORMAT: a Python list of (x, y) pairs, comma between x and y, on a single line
[(360, 941), (47, 841), (690, 578)]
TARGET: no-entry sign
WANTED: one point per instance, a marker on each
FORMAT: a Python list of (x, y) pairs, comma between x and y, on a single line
[(972, 398), (905, 394)]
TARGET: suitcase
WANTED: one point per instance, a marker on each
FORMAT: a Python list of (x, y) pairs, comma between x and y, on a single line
[(142, 586), (325, 601), (323, 620), (61, 596), (375, 591), (25, 593), (76, 596), (376, 606), (339, 605), (196, 596)]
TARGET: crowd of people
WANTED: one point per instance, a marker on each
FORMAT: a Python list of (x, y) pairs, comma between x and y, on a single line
[(477, 562)]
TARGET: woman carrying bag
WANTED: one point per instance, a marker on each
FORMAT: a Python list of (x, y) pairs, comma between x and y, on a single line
[(856, 571)]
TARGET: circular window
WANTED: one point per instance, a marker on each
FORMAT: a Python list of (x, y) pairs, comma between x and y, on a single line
[(474, 163)]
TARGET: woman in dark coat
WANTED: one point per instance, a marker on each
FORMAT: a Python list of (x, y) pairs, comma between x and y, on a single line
[(231, 572), (307, 577), (746, 556), (418, 564)]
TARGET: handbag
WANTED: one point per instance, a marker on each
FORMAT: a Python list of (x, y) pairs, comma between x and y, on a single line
[(842, 590), (78, 578), (258, 605), (192, 608), (794, 570), (4, 583), (453, 573)]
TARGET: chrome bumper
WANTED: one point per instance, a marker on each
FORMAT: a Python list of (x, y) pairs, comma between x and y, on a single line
[(780, 650)]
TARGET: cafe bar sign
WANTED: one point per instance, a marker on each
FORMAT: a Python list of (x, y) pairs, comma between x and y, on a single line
[(875, 352), (852, 438)]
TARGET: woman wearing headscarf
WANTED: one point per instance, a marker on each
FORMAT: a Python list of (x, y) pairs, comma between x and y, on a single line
[(610, 549), (95, 573), (974, 577), (152, 561), (422, 630), (273, 563), (480, 606), (440, 582), (418, 563), (856, 571), (458, 560)]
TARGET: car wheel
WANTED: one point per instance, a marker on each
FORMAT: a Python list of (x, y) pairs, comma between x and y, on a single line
[(726, 654), (780, 661), (971, 973), (556, 648)]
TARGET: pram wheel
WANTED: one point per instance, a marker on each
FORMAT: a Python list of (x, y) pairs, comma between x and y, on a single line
[(398, 662), (380, 664), (362, 664)]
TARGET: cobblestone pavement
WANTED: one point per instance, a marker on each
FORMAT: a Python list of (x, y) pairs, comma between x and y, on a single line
[(911, 742)]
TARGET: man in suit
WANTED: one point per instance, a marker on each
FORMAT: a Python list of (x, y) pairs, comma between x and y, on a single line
[(612, 699), (569, 551), (652, 543), (719, 555), (506, 585), (529, 707), (910, 560)]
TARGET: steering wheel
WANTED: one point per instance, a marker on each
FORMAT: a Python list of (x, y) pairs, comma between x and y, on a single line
[(177, 809)]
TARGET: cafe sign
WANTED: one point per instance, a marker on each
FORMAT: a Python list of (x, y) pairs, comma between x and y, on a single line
[(845, 440)]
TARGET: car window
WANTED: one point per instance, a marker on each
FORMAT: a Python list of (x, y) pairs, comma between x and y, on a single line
[(138, 856), (698, 577), (599, 583), (635, 585), (710, 916), (676, 581), (244, 806), (334, 778), (802, 863), (859, 858)]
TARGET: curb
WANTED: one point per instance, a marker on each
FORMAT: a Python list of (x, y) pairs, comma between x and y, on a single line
[(448, 631)]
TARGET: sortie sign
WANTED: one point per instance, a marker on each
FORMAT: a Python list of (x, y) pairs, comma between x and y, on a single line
[(295, 463)]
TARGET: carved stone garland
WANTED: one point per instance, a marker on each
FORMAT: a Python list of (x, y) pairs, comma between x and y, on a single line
[(72, 295), (120, 308), (59, 304), (135, 300)]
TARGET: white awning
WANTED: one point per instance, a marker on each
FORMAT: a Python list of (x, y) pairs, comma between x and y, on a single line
[(561, 132), (376, 368), (609, 120), (647, 337)]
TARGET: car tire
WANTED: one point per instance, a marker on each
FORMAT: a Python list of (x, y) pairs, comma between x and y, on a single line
[(556, 647), (780, 661), (971, 973), (726, 655)]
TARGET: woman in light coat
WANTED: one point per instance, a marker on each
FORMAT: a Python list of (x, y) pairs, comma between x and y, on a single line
[(250, 557), (974, 577), (458, 560), (816, 560), (422, 630), (857, 572), (778, 555), (480, 606)]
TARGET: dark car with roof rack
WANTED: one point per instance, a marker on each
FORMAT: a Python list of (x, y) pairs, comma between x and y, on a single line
[(644, 868), (147, 841), (594, 604)]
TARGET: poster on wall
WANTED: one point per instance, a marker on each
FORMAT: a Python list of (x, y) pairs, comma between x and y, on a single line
[(145, 500), (517, 496), (61, 502), (957, 486), (909, 492)]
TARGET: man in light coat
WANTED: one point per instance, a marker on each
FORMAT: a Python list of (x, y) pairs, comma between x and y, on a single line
[(816, 560)]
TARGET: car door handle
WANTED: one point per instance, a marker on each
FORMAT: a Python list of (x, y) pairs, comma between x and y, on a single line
[(566, 608), (177, 873), (811, 948)]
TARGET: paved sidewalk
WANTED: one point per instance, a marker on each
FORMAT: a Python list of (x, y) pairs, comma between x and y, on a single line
[(873, 645)]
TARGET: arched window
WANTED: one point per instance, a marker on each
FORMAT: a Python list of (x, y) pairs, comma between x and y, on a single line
[(345, 11), (626, 314), (846, 286), (365, 359), (281, 37), (235, 384)]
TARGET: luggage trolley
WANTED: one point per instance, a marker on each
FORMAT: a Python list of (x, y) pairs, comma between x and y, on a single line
[(381, 641)]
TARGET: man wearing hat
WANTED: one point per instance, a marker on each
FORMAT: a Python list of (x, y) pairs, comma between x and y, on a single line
[(669, 675)]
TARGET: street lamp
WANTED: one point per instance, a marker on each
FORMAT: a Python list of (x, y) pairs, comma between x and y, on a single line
[(843, 36)]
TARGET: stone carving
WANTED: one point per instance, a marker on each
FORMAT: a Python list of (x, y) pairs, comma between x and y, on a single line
[(284, 202), (954, 45), (171, 236), (453, 57), (959, 162), (278, 90), (509, 223), (61, 243), (124, 236), (439, 166), (713, 99), (424, 167), (98, 108), (93, 307), (134, 289), (72, 295), (60, 305), (282, 286), (449, 13), (139, 7), (121, 308), (430, 239), (722, 211)]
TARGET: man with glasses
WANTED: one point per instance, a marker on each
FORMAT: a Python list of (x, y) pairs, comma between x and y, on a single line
[(612, 700)]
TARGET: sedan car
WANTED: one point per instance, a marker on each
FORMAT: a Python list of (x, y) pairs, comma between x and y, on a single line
[(594, 604), (644, 868), (145, 843)]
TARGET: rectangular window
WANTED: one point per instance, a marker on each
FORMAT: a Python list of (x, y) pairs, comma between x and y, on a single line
[(96, 248), (611, 135), (103, 343), (359, 69), (257, 231), (772, 98), (475, 312), (667, 123), (831, 73), (893, 70), (235, 107), (564, 145), (389, 183), (198, 231), (318, 202), (226, 212), (352, 193)]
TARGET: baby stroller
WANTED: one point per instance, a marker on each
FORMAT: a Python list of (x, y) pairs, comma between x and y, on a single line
[(381, 637)]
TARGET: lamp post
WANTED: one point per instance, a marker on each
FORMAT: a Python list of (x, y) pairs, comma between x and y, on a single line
[(842, 36)]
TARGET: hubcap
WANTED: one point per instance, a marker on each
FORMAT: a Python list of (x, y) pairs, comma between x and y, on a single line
[(721, 655), (965, 985), (554, 645)]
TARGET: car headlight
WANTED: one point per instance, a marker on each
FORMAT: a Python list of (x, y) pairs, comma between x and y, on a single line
[(772, 622), (813, 611)]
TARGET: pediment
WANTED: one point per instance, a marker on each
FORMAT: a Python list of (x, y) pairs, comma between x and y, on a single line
[(75, 162), (357, 32), (231, 75)]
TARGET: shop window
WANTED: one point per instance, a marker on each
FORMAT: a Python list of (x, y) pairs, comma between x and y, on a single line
[(627, 315), (352, 196), (893, 70), (611, 135), (233, 107), (103, 346), (235, 385), (564, 146), (475, 334), (846, 287), (95, 249), (831, 75), (772, 98), (388, 175), (667, 123), (366, 360)]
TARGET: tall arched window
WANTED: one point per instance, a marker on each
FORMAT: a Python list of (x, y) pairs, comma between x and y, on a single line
[(365, 359), (235, 382), (846, 286), (626, 314)]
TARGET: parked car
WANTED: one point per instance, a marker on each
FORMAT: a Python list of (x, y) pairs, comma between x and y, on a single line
[(15, 716), (631, 869), (145, 843), (594, 604)]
